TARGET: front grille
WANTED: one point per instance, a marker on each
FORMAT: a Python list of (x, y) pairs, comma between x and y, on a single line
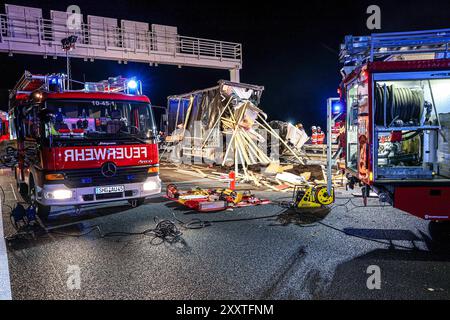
[(94, 177), (88, 197)]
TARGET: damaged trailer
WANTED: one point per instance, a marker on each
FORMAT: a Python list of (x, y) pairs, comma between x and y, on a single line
[(223, 125)]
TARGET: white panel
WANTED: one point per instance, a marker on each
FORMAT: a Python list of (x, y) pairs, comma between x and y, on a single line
[(24, 21), (164, 38), (135, 35), (59, 26), (103, 31)]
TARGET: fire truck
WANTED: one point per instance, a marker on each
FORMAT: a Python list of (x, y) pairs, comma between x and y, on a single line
[(80, 147), (396, 99), (4, 126)]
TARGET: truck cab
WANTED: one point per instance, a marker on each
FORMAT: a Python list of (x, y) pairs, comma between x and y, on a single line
[(80, 147)]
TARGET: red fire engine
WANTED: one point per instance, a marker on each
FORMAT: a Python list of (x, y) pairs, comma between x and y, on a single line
[(396, 93), (4, 126), (79, 147)]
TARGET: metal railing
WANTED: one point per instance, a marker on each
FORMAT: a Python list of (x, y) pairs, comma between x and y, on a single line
[(44, 32), (361, 49)]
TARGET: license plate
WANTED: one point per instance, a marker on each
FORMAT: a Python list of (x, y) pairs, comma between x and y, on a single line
[(110, 189)]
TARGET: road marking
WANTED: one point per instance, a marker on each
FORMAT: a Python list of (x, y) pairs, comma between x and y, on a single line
[(5, 282), (14, 193)]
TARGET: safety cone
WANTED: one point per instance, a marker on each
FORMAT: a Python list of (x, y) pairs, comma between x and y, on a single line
[(232, 177)]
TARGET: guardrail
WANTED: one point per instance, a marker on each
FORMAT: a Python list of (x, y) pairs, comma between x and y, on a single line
[(44, 32)]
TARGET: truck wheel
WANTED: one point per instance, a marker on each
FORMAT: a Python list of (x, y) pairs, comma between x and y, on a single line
[(23, 190), (42, 211), (136, 202)]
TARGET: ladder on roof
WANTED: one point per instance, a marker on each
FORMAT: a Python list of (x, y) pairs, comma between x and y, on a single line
[(57, 83), (30, 82), (358, 50)]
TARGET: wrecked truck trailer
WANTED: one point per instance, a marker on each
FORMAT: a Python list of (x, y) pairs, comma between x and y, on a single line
[(223, 125)]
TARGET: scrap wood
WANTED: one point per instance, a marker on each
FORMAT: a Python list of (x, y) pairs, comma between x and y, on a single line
[(273, 168), (306, 175), (190, 173), (255, 179), (271, 186), (282, 187), (201, 173), (287, 167)]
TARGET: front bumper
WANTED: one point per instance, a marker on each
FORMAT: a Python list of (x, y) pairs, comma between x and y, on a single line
[(86, 195)]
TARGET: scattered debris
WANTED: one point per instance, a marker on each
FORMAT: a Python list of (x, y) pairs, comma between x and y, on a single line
[(223, 128), (212, 200)]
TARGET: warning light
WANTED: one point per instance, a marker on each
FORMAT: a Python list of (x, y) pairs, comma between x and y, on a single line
[(336, 108), (132, 84)]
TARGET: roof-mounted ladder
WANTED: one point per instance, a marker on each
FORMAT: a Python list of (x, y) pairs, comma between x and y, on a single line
[(359, 50), (57, 83)]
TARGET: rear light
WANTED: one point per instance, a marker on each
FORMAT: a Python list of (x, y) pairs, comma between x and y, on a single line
[(54, 177), (153, 170)]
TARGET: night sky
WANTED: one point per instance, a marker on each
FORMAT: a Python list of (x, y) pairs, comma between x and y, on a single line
[(289, 47)]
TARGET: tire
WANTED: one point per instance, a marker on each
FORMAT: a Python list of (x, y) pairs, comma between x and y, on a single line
[(23, 190), (42, 211), (136, 202)]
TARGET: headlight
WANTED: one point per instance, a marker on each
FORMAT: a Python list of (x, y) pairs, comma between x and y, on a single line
[(59, 194), (150, 185)]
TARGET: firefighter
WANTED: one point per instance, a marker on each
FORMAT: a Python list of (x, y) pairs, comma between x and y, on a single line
[(320, 136), (314, 135)]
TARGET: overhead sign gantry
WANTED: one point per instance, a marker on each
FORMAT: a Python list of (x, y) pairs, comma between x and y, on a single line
[(23, 30)]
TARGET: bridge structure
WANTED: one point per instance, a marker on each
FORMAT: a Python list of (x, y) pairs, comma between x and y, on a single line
[(24, 30)]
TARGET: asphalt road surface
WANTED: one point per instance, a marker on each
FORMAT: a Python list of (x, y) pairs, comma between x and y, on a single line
[(315, 255)]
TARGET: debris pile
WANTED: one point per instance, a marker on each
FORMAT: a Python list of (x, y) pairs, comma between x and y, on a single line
[(224, 128)]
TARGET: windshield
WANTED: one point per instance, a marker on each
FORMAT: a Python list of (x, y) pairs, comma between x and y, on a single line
[(99, 119)]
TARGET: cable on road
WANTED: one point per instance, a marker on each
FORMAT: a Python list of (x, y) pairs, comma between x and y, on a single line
[(194, 224), (165, 231), (349, 200)]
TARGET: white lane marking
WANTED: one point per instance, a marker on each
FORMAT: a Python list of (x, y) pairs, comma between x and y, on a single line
[(5, 282), (14, 192)]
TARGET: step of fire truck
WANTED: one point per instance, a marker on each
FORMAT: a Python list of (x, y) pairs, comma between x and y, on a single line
[(431, 44)]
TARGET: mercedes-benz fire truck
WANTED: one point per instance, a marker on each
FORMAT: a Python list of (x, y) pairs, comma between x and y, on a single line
[(80, 147), (396, 96)]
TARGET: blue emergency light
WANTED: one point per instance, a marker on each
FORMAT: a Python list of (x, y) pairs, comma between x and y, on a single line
[(336, 107), (132, 84)]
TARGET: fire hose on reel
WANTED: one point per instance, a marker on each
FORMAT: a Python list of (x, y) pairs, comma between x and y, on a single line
[(403, 105)]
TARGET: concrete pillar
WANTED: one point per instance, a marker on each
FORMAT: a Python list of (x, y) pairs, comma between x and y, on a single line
[(234, 75)]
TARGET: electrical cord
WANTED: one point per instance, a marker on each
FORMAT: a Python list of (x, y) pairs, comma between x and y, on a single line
[(350, 200), (165, 231), (195, 224)]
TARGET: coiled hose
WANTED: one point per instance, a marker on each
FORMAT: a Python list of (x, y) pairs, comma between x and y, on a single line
[(401, 104)]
